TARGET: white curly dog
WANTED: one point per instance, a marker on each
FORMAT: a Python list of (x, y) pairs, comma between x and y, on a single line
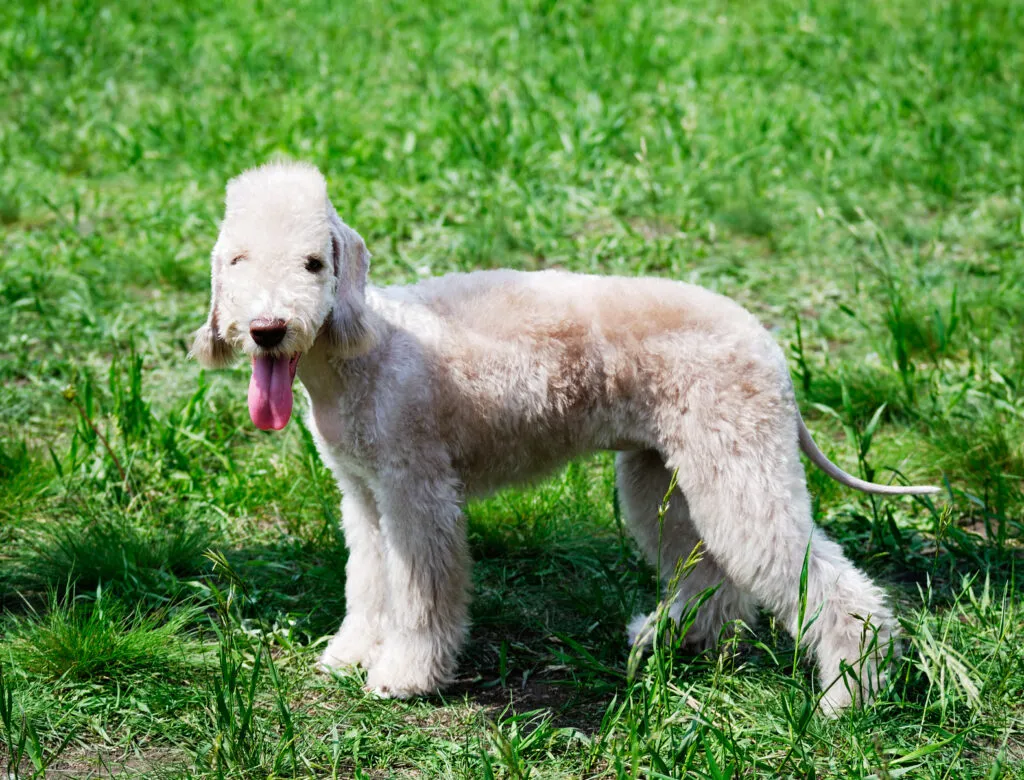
[(422, 396)]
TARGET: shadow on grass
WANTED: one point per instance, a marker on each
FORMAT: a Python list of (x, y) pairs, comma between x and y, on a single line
[(547, 622), (552, 596)]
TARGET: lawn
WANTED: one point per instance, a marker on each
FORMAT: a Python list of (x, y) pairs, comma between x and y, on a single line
[(851, 172)]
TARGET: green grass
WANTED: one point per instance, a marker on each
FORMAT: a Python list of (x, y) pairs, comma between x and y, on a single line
[(98, 641), (851, 172)]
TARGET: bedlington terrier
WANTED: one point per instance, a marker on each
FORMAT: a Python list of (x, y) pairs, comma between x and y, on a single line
[(423, 396)]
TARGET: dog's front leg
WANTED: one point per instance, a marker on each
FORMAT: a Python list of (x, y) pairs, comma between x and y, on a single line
[(427, 565), (366, 587)]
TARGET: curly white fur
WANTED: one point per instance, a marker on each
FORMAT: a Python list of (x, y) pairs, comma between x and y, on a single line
[(421, 396)]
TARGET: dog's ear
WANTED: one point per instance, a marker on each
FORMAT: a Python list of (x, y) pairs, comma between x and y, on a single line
[(352, 325), (208, 344)]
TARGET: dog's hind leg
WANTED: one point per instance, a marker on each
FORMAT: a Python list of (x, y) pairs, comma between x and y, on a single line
[(358, 639), (643, 482), (739, 467)]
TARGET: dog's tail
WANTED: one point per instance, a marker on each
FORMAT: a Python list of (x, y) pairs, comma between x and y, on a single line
[(819, 459)]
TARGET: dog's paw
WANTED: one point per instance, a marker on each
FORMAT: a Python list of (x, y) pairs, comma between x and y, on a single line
[(393, 683), (355, 644), (400, 685), (406, 668), (640, 630), (835, 702), (859, 683)]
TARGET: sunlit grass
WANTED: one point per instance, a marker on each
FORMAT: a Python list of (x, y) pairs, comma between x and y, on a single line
[(850, 172)]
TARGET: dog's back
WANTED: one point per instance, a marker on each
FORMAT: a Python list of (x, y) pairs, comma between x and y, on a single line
[(530, 369), (504, 304)]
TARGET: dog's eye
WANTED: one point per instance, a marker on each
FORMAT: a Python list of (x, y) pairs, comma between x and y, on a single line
[(235, 260), (314, 264)]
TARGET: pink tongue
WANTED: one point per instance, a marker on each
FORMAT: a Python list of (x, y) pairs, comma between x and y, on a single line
[(270, 393)]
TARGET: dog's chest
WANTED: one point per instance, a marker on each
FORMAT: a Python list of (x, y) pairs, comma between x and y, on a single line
[(340, 448), (330, 415), (337, 424), (329, 425)]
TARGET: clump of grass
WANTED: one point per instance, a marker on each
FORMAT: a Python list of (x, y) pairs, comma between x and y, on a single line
[(116, 549), (10, 207), (860, 390), (102, 641), (13, 459), (19, 736), (242, 737), (964, 661)]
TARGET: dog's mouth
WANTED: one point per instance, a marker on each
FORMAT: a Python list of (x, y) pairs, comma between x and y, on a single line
[(270, 390)]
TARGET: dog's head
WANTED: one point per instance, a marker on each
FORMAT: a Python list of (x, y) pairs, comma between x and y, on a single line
[(285, 271)]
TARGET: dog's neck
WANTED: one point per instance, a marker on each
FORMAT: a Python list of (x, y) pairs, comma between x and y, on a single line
[(330, 379), (335, 371), (329, 368)]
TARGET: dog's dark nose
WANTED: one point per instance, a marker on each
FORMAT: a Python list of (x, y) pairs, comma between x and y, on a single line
[(267, 332)]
